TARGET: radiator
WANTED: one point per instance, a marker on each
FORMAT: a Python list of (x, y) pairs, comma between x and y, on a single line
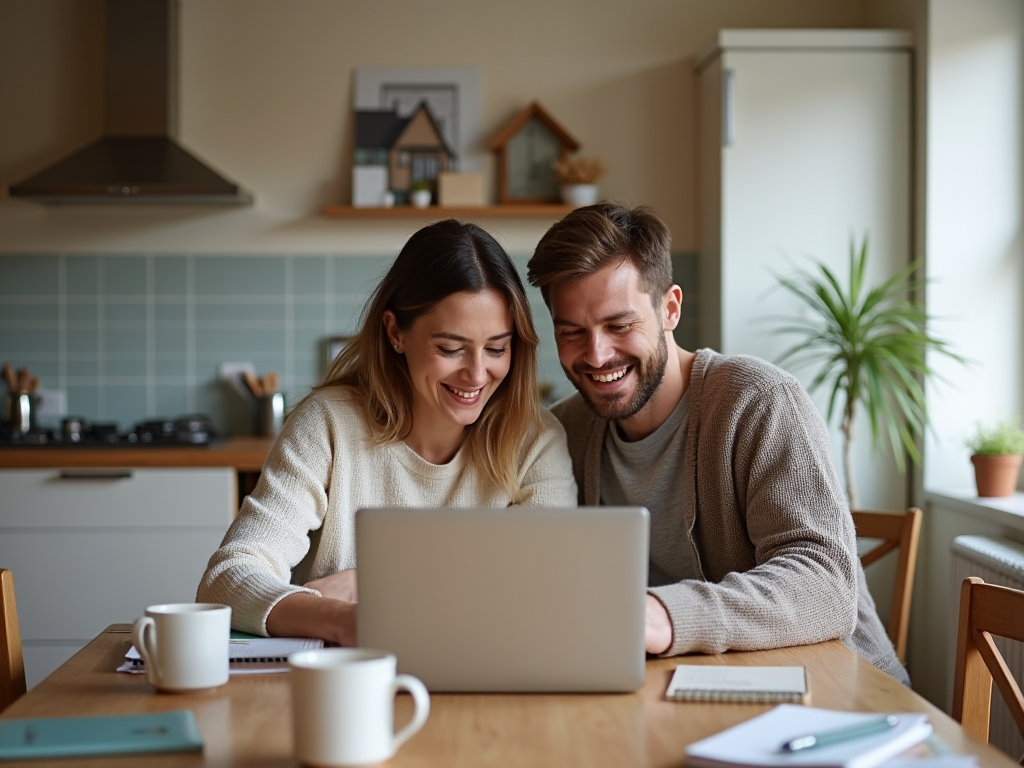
[(997, 561)]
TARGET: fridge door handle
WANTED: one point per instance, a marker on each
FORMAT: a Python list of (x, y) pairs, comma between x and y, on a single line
[(728, 112)]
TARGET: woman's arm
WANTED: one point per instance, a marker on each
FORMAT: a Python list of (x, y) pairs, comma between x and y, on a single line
[(305, 615)]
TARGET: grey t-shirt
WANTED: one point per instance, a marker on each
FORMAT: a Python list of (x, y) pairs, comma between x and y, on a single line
[(649, 473)]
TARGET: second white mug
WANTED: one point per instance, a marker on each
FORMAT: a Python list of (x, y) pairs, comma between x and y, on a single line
[(343, 706), (185, 645)]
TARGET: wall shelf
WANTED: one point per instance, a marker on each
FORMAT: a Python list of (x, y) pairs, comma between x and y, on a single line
[(524, 210)]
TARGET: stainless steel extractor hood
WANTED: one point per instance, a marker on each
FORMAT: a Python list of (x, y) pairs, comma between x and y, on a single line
[(138, 159)]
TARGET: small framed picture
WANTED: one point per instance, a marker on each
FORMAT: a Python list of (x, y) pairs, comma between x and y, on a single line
[(335, 344)]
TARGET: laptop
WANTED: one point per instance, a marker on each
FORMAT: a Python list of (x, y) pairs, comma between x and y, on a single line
[(506, 600)]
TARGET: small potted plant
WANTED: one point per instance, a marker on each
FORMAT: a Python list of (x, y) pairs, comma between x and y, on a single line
[(419, 193), (577, 178), (996, 452)]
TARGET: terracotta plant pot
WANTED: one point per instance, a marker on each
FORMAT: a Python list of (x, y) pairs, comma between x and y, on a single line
[(996, 476)]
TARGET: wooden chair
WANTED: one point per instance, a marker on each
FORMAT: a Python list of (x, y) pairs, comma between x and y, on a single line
[(12, 663), (985, 610), (895, 530)]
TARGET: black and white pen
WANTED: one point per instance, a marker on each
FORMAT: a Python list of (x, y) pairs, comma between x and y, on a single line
[(839, 735)]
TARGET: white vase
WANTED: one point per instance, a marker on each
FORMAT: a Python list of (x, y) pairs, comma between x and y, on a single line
[(579, 194), (420, 198)]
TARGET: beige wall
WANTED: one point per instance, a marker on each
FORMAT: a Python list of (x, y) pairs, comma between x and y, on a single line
[(266, 93)]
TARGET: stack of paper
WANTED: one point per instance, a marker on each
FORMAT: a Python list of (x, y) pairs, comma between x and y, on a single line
[(760, 741), (700, 682)]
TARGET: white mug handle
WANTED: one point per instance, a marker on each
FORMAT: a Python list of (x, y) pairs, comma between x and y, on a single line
[(422, 701), (144, 637)]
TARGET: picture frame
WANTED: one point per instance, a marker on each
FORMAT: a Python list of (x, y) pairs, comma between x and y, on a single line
[(334, 347)]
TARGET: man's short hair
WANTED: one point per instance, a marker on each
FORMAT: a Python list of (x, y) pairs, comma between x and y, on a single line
[(591, 238)]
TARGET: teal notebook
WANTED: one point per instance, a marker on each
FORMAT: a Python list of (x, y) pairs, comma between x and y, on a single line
[(106, 735)]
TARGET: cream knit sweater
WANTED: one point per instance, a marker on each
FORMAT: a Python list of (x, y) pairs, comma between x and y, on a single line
[(299, 522)]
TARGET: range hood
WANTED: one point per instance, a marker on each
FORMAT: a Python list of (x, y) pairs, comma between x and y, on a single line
[(138, 159)]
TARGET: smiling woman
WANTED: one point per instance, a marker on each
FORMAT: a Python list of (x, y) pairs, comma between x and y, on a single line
[(433, 402)]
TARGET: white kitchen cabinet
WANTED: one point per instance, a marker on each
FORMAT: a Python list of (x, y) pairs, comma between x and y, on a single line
[(804, 143), (91, 547)]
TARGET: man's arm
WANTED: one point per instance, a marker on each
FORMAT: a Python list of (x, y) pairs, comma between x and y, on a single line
[(773, 533)]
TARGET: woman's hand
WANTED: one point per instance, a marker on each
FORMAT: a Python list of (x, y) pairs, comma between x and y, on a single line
[(302, 614), (340, 585)]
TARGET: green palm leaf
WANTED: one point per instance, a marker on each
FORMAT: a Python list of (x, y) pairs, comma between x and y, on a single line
[(868, 346)]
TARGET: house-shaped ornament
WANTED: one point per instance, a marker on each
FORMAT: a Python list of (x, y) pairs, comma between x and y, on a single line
[(393, 152), (525, 149)]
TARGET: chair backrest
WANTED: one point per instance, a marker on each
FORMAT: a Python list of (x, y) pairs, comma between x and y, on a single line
[(985, 610), (899, 531), (12, 663)]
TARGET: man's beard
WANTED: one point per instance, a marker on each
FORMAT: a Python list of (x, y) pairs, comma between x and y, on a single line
[(648, 372)]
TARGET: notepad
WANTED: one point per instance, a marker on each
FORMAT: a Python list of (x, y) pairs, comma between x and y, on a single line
[(40, 737), (758, 741), (692, 682), (247, 655)]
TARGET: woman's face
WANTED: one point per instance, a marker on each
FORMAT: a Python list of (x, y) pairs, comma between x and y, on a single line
[(457, 356)]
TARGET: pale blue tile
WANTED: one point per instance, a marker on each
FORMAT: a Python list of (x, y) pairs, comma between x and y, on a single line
[(125, 341), (239, 275), (18, 342), (359, 275), (83, 367), (239, 343), (83, 401), (123, 276), (83, 311), (83, 275), (121, 366), (171, 275), (309, 275), (83, 340), (20, 315), (124, 403), (35, 275), (253, 313), (170, 314), (167, 366), (171, 400), (133, 313), (171, 341)]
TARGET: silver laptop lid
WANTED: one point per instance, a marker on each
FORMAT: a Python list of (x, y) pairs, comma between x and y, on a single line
[(516, 599)]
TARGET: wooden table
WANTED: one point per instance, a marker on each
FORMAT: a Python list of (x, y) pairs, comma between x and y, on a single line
[(248, 721)]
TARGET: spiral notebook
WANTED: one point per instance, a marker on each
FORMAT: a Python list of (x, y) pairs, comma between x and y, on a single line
[(693, 682), (248, 655)]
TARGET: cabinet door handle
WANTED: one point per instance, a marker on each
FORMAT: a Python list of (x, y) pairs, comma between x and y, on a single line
[(113, 474)]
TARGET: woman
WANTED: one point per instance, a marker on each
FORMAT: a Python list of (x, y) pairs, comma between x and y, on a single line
[(434, 402)]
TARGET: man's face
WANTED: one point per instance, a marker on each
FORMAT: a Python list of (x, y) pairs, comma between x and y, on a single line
[(611, 340)]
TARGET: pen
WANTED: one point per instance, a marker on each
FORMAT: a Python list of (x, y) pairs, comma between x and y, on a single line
[(838, 735)]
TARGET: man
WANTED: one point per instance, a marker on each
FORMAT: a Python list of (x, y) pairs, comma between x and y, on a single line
[(752, 543)]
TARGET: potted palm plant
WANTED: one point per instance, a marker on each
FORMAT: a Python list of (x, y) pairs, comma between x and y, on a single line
[(996, 453), (870, 346)]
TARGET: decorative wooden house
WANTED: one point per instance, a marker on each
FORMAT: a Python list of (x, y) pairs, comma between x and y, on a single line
[(525, 149), (393, 152)]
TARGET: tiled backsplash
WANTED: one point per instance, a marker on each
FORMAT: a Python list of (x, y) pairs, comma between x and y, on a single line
[(131, 337)]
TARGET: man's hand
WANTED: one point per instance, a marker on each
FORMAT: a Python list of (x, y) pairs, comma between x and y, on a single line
[(340, 585), (657, 627)]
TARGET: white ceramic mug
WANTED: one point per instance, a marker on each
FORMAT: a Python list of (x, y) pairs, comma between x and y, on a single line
[(343, 706), (185, 645)]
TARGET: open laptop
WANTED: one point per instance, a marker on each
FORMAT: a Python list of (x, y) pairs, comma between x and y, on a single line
[(506, 600)]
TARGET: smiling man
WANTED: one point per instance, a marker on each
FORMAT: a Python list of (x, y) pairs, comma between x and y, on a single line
[(752, 543)]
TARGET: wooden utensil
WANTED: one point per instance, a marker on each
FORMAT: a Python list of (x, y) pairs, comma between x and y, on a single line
[(252, 383), (9, 378), (270, 379)]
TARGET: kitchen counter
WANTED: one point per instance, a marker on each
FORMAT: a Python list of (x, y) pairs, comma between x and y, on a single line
[(244, 454)]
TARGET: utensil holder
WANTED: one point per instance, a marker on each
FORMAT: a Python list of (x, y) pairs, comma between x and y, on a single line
[(19, 412), (269, 414)]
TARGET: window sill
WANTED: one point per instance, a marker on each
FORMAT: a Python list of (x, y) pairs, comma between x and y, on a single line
[(1008, 511)]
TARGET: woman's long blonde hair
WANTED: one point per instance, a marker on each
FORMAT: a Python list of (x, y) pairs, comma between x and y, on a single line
[(439, 260)]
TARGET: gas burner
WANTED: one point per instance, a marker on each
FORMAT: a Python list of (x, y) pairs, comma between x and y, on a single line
[(192, 430)]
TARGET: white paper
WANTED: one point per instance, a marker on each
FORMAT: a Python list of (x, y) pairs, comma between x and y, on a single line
[(758, 741)]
